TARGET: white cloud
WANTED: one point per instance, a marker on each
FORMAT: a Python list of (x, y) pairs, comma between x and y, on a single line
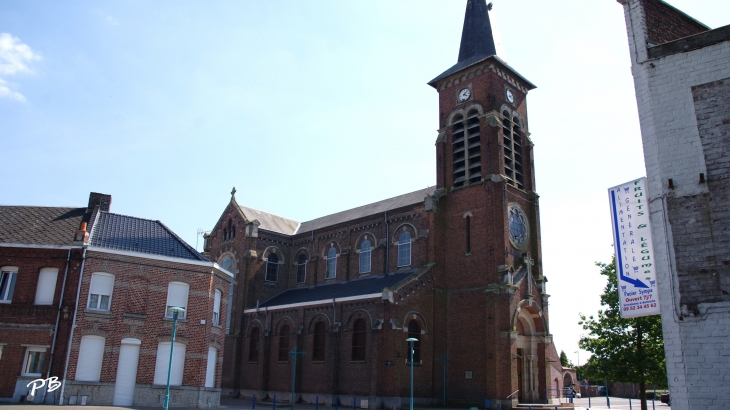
[(5, 91), (111, 21), (15, 58)]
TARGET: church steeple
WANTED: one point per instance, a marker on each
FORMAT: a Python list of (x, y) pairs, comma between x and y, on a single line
[(477, 39)]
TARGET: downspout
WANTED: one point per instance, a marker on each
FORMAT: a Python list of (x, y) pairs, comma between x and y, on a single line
[(73, 328), (387, 243), (58, 319)]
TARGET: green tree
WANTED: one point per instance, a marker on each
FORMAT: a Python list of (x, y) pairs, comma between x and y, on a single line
[(564, 360), (624, 350)]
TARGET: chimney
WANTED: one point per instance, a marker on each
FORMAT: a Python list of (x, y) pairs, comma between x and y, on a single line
[(103, 201), (81, 237)]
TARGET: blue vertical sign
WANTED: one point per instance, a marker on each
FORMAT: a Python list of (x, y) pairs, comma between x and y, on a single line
[(638, 293)]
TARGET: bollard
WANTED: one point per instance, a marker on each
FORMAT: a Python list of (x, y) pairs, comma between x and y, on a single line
[(316, 403), (337, 402), (500, 406), (274, 407), (253, 403), (589, 399), (354, 398), (653, 406), (630, 407)]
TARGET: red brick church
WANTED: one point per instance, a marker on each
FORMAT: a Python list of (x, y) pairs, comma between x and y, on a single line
[(458, 266)]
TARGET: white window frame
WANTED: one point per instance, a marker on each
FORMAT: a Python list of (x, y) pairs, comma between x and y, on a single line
[(217, 307), (46, 288), (35, 349), (90, 364), (162, 361), (96, 300), (210, 367), (331, 259), (168, 312), (366, 256), (404, 247), (8, 276)]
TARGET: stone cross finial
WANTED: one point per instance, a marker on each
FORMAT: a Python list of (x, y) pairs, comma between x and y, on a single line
[(233, 193)]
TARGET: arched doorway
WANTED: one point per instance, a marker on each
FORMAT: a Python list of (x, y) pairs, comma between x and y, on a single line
[(527, 365), (567, 380)]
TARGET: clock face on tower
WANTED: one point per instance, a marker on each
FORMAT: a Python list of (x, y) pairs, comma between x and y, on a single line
[(510, 96), (464, 94)]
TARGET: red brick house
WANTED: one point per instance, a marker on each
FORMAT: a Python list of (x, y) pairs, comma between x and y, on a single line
[(456, 265), (126, 273)]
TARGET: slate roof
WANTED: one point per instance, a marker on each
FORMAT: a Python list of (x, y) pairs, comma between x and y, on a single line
[(128, 233), (286, 226), (366, 210), (271, 222), (336, 290), (39, 225)]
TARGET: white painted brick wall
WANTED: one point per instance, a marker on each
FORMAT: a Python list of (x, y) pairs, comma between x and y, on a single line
[(697, 348)]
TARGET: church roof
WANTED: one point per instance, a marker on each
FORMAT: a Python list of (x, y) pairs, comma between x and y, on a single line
[(39, 225), (326, 292), (279, 224), (477, 42), (128, 233), (400, 201), (271, 222)]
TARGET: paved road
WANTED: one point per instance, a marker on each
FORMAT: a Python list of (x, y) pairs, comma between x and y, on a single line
[(617, 403)]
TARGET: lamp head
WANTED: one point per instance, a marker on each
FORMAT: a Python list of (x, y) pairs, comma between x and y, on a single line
[(411, 339), (177, 309)]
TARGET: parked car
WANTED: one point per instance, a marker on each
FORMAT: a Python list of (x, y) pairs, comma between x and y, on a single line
[(570, 392), (665, 399)]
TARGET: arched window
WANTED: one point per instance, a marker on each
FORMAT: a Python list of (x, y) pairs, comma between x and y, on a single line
[(466, 149), (272, 268), (404, 249), (332, 263), (301, 268), (359, 339), (318, 342), (365, 253), (414, 330), (513, 168), (284, 343), (253, 345)]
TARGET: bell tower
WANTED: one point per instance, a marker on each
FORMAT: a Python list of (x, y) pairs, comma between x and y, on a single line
[(487, 229)]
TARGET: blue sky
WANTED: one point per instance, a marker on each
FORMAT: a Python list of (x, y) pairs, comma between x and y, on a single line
[(310, 108)]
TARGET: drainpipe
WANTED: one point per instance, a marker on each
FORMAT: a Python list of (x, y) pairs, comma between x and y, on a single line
[(73, 328), (387, 243), (58, 318)]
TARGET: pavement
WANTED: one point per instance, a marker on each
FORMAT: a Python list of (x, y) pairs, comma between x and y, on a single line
[(597, 403)]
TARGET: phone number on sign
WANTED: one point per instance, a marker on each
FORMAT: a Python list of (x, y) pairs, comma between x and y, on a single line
[(639, 307)]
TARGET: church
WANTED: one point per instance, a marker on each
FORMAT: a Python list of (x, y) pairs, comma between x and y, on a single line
[(456, 266)]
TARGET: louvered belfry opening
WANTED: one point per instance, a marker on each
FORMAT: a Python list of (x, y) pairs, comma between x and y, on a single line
[(513, 150), (466, 148)]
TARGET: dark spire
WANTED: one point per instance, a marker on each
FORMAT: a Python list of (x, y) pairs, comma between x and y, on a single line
[(476, 37)]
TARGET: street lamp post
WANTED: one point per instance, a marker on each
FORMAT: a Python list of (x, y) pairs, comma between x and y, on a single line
[(175, 310), (411, 341), (578, 353)]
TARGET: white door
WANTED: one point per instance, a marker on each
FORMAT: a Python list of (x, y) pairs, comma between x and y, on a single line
[(126, 372)]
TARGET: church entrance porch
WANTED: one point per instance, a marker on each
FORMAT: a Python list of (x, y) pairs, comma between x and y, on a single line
[(527, 359)]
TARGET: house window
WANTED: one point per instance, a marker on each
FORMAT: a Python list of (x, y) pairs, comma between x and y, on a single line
[(210, 367), (512, 150), (404, 249), (163, 362), (177, 296), (229, 233), (7, 283), (284, 343), (33, 361), (301, 268), (46, 286), (365, 253), (466, 149), (100, 291), (331, 263), (414, 330), (253, 346), (359, 338), (272, 268), (318, 342), (217, 308), (91, 355)]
